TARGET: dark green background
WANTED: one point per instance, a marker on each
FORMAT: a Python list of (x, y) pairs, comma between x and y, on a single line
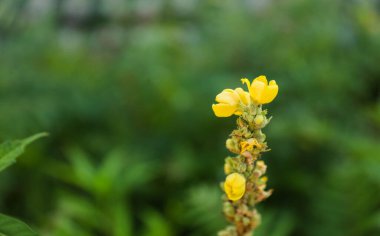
[(125, 90)]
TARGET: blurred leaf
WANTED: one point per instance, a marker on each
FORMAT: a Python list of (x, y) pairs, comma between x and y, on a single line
[(78, 208), (203, 209), (10, 150), (82, 168), (12, 227), (155, 224), (276, 222), (122, 221), (137, 174), (108, 174)]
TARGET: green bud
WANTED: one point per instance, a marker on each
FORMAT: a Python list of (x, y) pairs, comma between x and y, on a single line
[(260, 136), (232, 145), (246, 221), (256, 219), (259, 120), (228, 209), (238, 218)]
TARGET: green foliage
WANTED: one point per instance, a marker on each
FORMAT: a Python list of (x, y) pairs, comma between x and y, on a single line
[(10, 150), (105, 194), (156, 224), (13, 227)]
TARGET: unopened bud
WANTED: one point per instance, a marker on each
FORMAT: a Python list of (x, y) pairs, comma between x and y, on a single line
[(232, 146), (259, 119), (227, 168), (228, 209), (261, 167), (246, 221)]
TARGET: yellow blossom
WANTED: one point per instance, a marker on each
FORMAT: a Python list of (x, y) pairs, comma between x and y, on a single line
[(249, 144), (261, 92), (229, 102), (234, 186)]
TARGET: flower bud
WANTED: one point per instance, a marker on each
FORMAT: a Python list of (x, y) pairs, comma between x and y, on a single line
[(261, 167), (260, 136), (232, 145), (256, 219), (246, 221), (227, 168), (228, 209), (259, 119)]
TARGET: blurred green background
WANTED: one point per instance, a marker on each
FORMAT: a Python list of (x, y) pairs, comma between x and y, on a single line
[(125, 90)]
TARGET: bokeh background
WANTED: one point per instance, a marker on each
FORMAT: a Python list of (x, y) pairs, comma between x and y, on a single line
[(125, 90)]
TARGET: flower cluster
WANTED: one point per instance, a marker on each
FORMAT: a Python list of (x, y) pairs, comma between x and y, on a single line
[(245, 182), (232, 102)]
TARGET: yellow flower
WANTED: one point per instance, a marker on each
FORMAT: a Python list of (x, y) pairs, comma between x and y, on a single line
[(261, 92), (234, 186), (230, 102), (249, 145)]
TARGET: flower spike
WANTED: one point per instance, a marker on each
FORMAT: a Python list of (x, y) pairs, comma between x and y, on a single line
[(245, 183)]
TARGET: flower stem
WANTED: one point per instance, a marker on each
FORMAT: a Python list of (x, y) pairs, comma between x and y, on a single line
[(248, 142)]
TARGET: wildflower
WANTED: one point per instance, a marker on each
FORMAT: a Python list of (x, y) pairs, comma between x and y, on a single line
[(261, 92), (230, 102), (234, 186), (245, 172)]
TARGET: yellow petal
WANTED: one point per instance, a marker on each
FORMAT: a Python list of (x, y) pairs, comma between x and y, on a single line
[(235, 179), (232, 93), (228, 96), (236, 191), (262, 78), (270, 92), (234, 186), (223, 110), (238, 188), (235, 197), (257, 90), (244, 96), (246, 81)]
